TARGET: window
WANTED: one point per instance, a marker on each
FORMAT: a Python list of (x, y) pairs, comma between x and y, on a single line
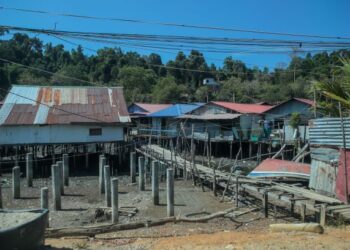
[(95, 131)]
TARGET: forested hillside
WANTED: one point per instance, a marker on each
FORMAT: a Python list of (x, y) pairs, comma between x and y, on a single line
[(146, 78)]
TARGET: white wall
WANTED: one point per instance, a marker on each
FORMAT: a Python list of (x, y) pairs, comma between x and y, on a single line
[(57, 134)]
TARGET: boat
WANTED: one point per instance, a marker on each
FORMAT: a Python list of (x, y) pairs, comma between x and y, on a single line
[(22, 229), (275, 169)]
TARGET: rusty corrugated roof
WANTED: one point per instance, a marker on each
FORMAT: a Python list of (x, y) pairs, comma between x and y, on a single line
[(26, 105)]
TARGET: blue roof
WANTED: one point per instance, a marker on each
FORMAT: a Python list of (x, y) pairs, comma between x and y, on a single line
[(175, 110)]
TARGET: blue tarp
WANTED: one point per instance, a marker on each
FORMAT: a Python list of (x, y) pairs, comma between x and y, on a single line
[(175, 110)]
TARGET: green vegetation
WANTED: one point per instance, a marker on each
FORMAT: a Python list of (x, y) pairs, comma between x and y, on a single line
[(144, 80)]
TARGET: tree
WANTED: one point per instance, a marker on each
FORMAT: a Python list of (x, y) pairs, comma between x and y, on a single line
[(137, 82), (167, 91)]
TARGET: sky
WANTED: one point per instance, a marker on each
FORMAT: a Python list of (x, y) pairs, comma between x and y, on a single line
[(321, 17)]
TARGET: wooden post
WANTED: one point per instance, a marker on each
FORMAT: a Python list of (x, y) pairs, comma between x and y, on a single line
[(60, 166), (250, 149), (16, 183), (323, 213), (53, 154), (303, 212), (56, 188), (155, 183), (170, 192), (107, 175), (265, 201), (237, 191), (29, 169), (114, 192), (142, 173), (133, 167), (0, 198), (16, 156), (44, 198), (65, 169), (101, 179), (86, 149)]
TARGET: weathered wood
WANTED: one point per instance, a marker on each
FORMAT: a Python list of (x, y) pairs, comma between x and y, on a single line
[(60, 166), (93, 230), (304, 227), (0, 198), (155, 183), (323, 213), (133, 167), (65, 169), (142, 175), (279, 151), (303, 212), (29, 169), (265, 202)]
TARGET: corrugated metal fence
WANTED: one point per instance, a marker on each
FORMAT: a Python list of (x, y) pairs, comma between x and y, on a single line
[(328, 131)]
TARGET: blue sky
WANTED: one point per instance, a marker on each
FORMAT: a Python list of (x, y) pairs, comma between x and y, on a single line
[(320, 17)]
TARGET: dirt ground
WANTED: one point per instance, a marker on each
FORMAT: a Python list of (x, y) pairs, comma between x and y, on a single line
[(82, 198)]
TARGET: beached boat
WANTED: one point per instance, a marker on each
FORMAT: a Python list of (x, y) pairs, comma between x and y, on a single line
[(22, 229)]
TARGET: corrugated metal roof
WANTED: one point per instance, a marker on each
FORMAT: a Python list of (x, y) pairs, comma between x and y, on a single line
[(26, 105), (281, 168), (151, 108), (328, 131), (175, 110), (306, 101), (244, 108), (225, 116)]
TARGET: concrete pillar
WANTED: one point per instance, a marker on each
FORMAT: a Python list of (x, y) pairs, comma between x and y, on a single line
[(56, 188), (16, 183), (170, 192), (155, 183), (101, 180), (114, 192), (65, 169), (44, 198), (142, 172), (60, 166), (107, 177), (133, 167), (29, 169)]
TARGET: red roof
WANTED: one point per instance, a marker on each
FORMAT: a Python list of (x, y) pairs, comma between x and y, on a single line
[(244, 108), (307, 101), (151, 108), (282, 166)]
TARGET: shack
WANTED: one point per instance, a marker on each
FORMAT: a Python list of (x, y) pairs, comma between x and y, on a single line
[(165, 123), (330, 157), (226, 121), (280, 115), (139, 111), (34, 115)]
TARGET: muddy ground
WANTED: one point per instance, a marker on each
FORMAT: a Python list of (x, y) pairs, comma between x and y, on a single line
[(82, 198)]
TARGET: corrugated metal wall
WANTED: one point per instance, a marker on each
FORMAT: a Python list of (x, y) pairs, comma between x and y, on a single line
[(324, 169), (328, 131)]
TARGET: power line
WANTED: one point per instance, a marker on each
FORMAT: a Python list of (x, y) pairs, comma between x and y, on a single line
[(206, 27), (54, 107)]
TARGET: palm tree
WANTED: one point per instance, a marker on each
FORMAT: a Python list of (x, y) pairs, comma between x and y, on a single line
[(336, 91)]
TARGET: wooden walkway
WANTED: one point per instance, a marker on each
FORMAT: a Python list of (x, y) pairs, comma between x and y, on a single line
[(295, 199)]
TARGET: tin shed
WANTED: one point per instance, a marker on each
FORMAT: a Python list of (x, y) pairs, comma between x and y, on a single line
[(55, 115)]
